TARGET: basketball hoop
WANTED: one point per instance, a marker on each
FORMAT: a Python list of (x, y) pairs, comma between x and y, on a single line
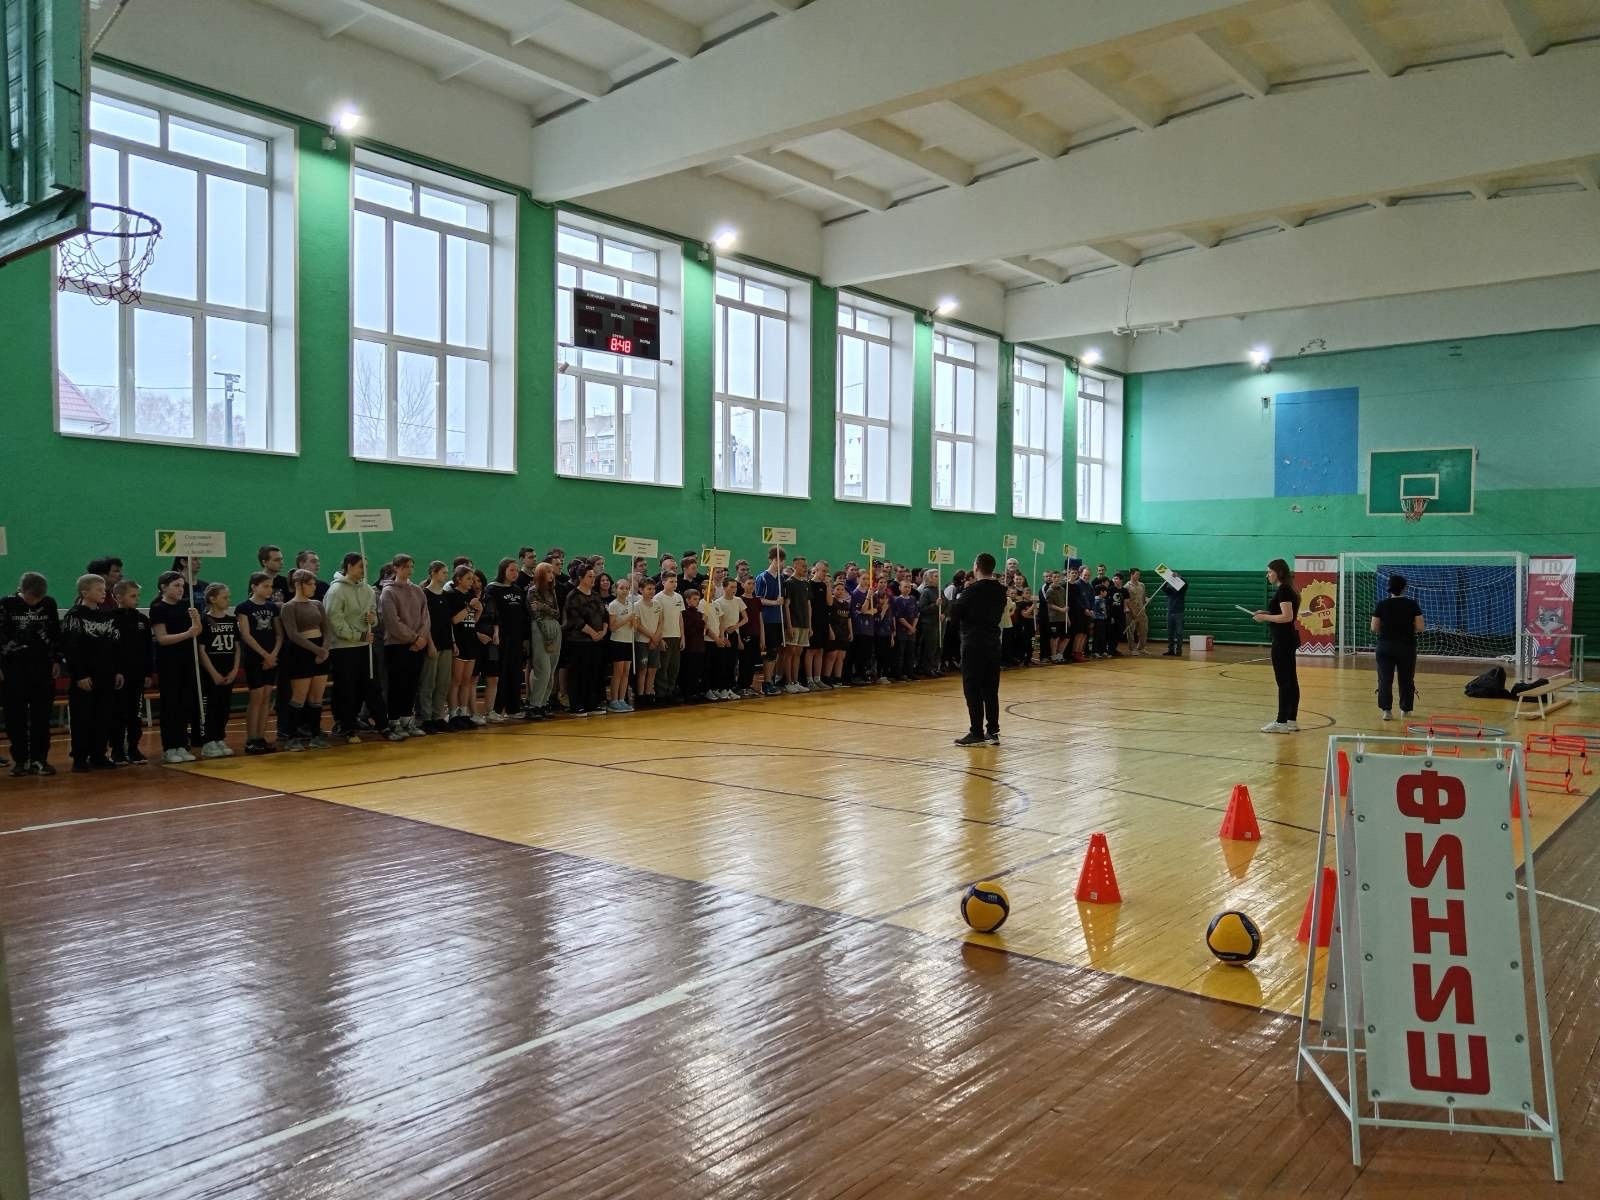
[(108, 260), (1414, 507)]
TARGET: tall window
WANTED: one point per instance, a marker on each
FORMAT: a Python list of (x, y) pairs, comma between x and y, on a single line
[(1099, 449), (617, 417), (964, 404), (206, 356), (761, 417), (430, 284), (873, 408), (1036, 436)]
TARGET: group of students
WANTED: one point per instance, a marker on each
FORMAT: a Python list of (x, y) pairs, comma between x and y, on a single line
[(448, 647)]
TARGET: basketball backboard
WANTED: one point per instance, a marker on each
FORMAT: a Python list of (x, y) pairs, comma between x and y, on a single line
[(43, 92), (1445, 478)]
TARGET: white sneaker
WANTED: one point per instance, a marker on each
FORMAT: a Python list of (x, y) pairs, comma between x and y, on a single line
[(1291, 727), (1277, 727), (794, 689), (185, 756), (411, 728), (209, 750), (477, 719), (225, 750), (172, 757), (1387, 715), (395, 732), (497, 718)]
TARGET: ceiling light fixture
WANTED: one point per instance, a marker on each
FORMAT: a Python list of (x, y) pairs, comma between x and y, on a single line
[(1091, 357), (946, 306), (725, 239)]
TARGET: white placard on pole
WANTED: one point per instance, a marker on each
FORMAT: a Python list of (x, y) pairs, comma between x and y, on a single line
[(1428, 983), (1038, 545), (712, 556), (777, 535), (1169, 577), (1068, 550), (360, 520), (3, 540), (1008, 541), (635, 547), (941, 557), (204, 543), (872, 549)]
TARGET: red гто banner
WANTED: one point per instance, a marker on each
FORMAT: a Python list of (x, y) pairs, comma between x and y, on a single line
[(1317, 581), (1552, 585)]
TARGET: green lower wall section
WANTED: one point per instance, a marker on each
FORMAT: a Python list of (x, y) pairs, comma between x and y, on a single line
[(1530, 403)]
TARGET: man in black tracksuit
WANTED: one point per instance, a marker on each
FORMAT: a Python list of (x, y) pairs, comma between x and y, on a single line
[(977, 612)]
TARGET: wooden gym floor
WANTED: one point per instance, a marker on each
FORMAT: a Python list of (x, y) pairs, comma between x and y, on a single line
[(715, 952)]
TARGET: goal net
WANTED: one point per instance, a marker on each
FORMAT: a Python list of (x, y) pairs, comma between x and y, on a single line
[(1470, 602)]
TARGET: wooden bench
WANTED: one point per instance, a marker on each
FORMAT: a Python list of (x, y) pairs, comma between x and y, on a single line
[(1547, 698)]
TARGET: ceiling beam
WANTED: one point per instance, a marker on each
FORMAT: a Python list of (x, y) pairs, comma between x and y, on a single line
[(1144, 115), (1588, 174), (1482, 120), (1044, 272), (673, 120), (1239, 65), (1424, 248), (1289, 221), (333, 28), (786, 162), (1025, 131), (907, 148), (451, 27), (1199, 237), (1117, 251), (649, 24), (1371, 51), (1520, 28)]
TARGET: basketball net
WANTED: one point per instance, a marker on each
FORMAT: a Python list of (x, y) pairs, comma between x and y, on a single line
[(107, 261), (1414, 507)]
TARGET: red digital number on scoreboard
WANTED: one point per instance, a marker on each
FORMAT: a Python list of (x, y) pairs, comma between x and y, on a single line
[(621, 345)]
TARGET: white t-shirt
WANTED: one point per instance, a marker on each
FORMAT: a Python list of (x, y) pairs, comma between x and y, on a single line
[(618, 609), (647, 619), (727, 612), (671, 606)]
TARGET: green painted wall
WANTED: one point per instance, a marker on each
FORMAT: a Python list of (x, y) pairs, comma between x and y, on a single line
[(67, 499), (1529, 402)]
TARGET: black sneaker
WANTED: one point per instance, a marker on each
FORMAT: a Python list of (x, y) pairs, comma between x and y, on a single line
[(971, 739), (993, 739), (82, 767), (136, 757), (43, 768), (102, 764), (256, 747), (19, 769)]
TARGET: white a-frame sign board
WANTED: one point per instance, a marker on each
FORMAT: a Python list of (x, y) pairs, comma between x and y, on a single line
[(1426, 989)]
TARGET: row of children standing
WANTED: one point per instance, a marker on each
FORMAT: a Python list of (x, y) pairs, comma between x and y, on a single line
[(406, 659)]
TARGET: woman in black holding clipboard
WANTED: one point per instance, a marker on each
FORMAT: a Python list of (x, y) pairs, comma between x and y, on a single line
[(1285, 641)]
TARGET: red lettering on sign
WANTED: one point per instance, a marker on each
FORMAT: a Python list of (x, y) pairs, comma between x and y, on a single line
[(1424, 925), (1446, 852), (1431, 797), (1449, 1077), (1455, 984)]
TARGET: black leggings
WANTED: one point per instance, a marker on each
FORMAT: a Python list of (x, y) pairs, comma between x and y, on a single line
[(585, 687), (1288, 681), (1389, 662), (980, 684)]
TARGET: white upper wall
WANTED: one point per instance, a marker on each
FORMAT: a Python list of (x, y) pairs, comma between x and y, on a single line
[(1523, 307), (260, 54)]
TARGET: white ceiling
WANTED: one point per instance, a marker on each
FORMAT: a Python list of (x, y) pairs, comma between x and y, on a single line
[(1023, 142)]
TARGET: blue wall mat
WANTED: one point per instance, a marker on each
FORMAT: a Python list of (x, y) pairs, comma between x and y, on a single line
[(1314, 438)]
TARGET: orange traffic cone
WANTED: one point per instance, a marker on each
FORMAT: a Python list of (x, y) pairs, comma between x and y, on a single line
[(1098, 882), (1330, 895), (1239, 822)]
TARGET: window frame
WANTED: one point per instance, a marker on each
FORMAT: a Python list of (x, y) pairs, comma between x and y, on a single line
[(899, 426), (1106, 399), (499, 349), (575, 364), (795, 405), (1041, 455), (277, 316), (984, 366)]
